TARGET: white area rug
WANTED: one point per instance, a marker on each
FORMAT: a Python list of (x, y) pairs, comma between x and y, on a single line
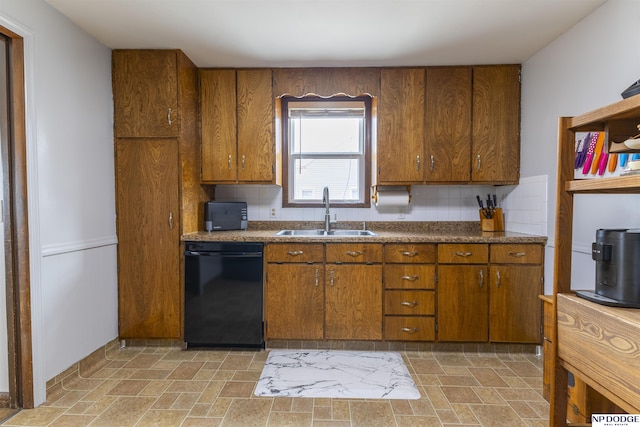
[(334, 374)]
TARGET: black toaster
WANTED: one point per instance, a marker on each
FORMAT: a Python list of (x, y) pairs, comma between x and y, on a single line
[(220, 216)]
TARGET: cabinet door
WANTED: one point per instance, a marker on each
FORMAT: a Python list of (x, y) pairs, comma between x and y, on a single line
[(149, 294), (448, 124), (401, 126), (218, 125), (463, 302), (515, 307), (255, 126), (496, 124), (353, 302), (145, 93), (294, 301)]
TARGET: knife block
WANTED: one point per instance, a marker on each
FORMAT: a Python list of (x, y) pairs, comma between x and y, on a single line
[(495, 223)]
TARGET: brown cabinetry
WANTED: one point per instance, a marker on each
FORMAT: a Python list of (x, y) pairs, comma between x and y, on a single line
[(448, 124), (400, 150), (145, 93), (237, 126), (496, 124), (148, 211), (463, 294), (516, 281), (294, 291), (309, 300), (353, 279), (494, 297), (410, 282), (157, 186)]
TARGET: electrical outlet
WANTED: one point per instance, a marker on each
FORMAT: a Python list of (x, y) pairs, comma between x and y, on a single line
[(274, 212)]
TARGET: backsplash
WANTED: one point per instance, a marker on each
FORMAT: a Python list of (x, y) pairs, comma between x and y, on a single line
[(525, 205)]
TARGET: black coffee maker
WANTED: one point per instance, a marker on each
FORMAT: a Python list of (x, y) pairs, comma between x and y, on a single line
[(617, 256)]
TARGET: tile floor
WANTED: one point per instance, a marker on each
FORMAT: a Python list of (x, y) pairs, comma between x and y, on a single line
[(164, 386)]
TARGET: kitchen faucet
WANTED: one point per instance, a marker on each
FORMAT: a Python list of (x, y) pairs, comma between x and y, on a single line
[(327, 214)]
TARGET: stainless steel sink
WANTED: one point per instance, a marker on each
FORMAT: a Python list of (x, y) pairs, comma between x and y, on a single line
[(324, 233)]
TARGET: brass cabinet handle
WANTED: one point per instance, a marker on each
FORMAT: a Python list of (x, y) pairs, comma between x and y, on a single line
[(170, 220), (498, 276), (481, 278), (433, 163), (243, 162), (295, 253), (409, 303), (478, 167), (410, 330), (354, 253), (417, 163), (407, 253), (169, 116), (463, 254), (229, 162), (332, 278), (410, 278), (517, 254), (317, 281)]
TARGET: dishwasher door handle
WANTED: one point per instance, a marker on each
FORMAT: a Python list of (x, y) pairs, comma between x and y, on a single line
[(225, 254)]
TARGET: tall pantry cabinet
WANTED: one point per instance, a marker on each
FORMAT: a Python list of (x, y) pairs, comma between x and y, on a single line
[(155, 94)]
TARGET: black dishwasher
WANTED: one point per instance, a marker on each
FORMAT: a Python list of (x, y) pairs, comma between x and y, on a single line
[(223, 294)]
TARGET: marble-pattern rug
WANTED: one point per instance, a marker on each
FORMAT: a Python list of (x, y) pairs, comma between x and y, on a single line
[(335, 374)]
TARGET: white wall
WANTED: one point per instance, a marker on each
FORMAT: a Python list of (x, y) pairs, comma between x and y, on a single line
[(586, 68), (71, 188)]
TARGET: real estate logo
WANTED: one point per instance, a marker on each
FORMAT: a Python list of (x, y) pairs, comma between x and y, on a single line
[(615, 420)]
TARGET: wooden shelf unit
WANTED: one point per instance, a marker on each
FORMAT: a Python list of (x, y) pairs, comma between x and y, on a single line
[(618, 121)]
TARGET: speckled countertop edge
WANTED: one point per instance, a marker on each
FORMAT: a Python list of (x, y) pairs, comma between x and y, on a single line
[(386, 232)]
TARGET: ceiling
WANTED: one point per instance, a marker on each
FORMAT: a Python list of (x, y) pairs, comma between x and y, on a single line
[(317, 33)]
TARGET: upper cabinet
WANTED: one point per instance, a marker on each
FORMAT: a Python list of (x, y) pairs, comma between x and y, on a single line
[(449, 124), (400, 145), (145, 93), (496, 124), (236, 113)]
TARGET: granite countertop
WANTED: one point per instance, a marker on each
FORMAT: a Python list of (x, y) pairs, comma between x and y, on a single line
[(386, 232)]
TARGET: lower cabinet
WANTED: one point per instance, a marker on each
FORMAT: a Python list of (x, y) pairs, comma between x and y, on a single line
[(489, 293), (516, 281), (409, 296), (294, 291), (451, 292), (463, 295), (307, 299)]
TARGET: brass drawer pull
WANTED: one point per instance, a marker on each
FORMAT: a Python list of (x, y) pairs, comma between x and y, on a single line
[(295, 253), (410, 330), (464, 254), (410, 278), (354, 253), (409, 303), (407, 253), (517, 254)]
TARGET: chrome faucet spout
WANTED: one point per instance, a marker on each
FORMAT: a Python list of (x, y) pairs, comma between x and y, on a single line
[(327, 214)]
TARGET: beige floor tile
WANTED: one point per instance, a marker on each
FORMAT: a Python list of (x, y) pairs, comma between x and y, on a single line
[(158, 386), (34, 417)]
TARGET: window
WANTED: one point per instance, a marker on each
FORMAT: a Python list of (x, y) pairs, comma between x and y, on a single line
[(326, 143)]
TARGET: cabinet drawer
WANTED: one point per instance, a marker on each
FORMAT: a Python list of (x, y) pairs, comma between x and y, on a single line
[(472, 253), (354, 252), (516, 254), (409, 276), (409, 302), (406, 253), (294, 252), (409, 328)]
